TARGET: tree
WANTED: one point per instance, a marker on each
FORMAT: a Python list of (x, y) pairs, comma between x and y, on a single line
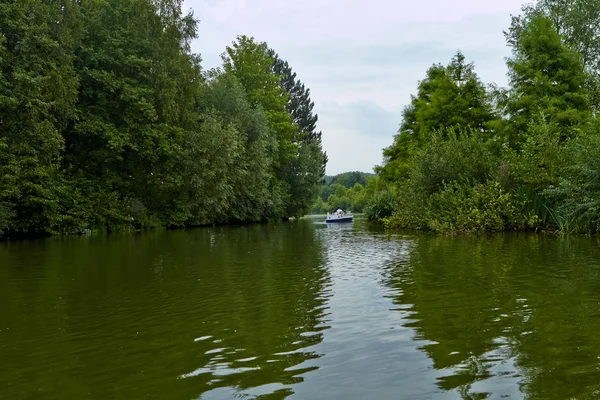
[(349, 179), (136, 102), (577, 23), (38, 90), (251, 63), (448, 97), (299, 161), (547, 78), (305, 177), (253, 197), (299, 105), (310, 169)]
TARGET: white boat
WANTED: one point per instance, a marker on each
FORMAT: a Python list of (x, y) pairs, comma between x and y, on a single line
[(338, 217)]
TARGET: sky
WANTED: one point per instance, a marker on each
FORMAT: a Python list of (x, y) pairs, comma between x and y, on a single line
[(361, 60)]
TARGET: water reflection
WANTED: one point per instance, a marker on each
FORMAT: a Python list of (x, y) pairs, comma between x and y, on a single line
[(366, 353), (205, 313), (506, 316), (301, 310)]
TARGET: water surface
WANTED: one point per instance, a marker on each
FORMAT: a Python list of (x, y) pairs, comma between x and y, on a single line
[(300, 310)]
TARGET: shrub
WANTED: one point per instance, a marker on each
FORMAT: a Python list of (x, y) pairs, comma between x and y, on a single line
[(457, 156), (381, 206), (462, 208)]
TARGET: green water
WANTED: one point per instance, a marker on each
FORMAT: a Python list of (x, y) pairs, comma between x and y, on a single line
[(300, 310)]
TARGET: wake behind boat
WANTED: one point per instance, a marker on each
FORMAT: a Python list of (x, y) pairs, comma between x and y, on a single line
[(339, 216)]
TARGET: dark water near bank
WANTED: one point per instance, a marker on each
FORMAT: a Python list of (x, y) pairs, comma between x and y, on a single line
[(300, 310)]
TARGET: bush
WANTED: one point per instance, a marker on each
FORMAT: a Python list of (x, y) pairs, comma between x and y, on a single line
[(454, 156), (462, 208), (410, 210), (572, 203), (381, 206)]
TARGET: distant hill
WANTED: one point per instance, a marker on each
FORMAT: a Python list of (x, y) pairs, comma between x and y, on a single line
[(349, 179)]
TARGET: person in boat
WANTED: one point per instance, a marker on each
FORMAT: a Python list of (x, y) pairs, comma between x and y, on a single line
[(339, 212)]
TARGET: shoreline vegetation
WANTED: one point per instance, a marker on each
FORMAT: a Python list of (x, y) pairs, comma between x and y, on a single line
[(110, 124), (472, 158)]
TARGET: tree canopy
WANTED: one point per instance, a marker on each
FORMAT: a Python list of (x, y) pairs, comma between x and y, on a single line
[(546, 78), (449, 96), (109, 123), (576, 21)]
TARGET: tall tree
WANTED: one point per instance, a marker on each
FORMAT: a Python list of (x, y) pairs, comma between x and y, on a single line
[(546, 78), (449, 96), (577, 22), (38, 90), (253, 198), (309, 170), (294, 162), (299, 105)]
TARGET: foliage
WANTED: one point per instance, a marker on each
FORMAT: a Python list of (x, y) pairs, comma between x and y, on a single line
[(38, 90), (381, 205), (451, 155), (467, 208), (576, 21), (546, 77), (449, 96), (349, 179), (573, 203), (345, 179), (451, 188), (348, 191), (109, 123), (535, 166), (252, 196)]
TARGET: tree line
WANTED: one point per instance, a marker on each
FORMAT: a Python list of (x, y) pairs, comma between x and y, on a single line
[(108, 122), (472, 157), (349, 191)]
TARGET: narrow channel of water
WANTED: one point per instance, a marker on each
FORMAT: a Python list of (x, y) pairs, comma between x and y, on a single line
[(300, 310)]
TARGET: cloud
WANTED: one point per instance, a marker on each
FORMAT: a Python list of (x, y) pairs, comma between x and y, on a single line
[(356, 134), (361, 117), (361, 60), (353, 151)]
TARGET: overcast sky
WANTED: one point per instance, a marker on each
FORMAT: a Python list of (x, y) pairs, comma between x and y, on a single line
[(361, 59)]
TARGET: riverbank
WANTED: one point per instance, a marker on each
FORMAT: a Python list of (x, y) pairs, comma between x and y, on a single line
[(19, 236)]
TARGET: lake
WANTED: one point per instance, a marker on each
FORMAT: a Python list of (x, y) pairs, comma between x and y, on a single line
[(300, 310)]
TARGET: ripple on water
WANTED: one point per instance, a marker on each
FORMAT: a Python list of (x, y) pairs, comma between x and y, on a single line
[(301, 311)]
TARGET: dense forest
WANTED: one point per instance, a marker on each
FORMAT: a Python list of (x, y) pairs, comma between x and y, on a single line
[(472, 157), (109, 123)]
